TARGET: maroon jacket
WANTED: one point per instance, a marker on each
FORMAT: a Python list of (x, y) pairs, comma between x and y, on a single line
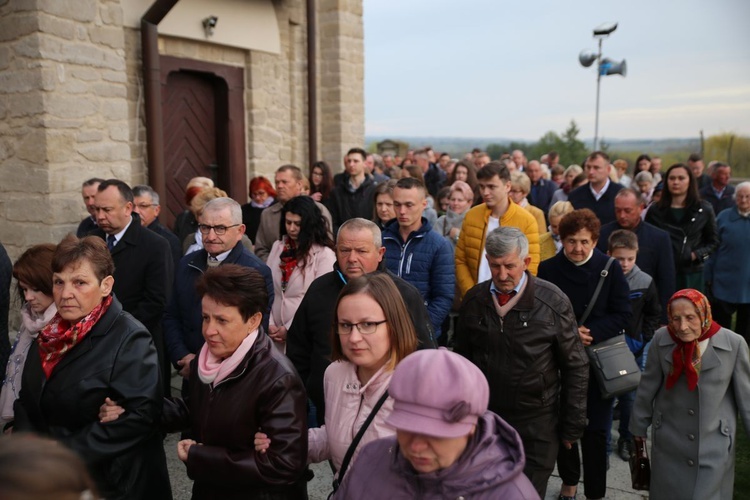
[(263, 393)]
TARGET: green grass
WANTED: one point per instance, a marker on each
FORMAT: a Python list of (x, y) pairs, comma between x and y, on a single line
[(742, 471)]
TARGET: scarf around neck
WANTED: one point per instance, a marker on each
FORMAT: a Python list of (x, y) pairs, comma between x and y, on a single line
[(212, 369), (288, 261), (60, 336), (686, 356)]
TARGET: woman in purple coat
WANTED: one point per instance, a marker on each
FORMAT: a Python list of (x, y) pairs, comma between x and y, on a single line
[(447, 444)]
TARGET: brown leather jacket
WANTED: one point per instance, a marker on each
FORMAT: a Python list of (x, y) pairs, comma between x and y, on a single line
[(263, 393), (533, 358)]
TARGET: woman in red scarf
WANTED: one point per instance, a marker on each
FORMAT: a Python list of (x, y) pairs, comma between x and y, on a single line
[(304, 252), (697, 380), (90, 350)]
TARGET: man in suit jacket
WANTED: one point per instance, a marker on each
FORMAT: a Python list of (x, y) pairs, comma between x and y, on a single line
[(143, 261), (147, 206), (599, 194), (652, 257)]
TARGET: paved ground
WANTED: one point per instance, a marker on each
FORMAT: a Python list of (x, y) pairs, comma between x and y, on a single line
[(618, 478)]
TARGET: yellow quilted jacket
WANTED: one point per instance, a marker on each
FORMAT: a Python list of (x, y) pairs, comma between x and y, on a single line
[(471, 241)]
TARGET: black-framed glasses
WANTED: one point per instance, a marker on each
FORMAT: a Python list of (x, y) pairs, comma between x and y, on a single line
[(219, 230), (363, 327), (144, 206)]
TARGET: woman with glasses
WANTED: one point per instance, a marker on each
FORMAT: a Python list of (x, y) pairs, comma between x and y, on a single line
[(304, 252), (520, 187), (372, 333)]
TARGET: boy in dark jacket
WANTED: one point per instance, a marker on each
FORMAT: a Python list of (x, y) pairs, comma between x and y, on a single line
[(623, 246)]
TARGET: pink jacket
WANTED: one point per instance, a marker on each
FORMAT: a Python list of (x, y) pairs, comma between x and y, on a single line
[(285, 304), (348, 405)]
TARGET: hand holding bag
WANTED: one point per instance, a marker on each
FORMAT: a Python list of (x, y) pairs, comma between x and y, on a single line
[(614, 365), (640, 467)]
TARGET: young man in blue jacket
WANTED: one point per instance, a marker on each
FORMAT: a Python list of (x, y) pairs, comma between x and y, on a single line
[(417, 254)]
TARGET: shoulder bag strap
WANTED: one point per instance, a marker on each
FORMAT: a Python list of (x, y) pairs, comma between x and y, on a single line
[(602, 277), (357, 439)]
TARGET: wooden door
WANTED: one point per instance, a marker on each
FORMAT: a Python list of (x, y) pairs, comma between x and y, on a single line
[(203, 117), (189, 110)]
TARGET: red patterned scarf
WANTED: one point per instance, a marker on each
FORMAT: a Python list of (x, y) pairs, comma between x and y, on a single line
[(59, 336), (686, 355), (288, 261)]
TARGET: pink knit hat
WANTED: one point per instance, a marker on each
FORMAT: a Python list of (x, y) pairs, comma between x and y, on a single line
[(437, 393)]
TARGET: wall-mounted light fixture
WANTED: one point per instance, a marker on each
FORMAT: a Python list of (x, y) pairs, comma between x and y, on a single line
[(209, 24)]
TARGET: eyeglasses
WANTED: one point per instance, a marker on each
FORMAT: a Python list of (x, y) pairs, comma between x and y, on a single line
[(144, 206), (218, 230), (365, 327)]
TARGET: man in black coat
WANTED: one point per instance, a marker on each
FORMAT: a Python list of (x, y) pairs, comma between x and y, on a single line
[(146, 205), (143, 261), (354, 195), (359, 251), (654, 245), (88, 193), (522, 333), (599, 194)]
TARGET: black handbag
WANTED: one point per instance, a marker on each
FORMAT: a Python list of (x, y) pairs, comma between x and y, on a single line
[(640, 467), (613, 363)]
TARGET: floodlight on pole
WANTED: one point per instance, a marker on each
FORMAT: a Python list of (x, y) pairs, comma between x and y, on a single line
[(605, 67)]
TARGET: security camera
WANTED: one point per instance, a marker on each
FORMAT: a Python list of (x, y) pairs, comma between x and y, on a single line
[(209, 24), (605, 29)]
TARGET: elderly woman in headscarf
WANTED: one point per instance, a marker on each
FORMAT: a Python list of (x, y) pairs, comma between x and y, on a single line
[(697, 379)]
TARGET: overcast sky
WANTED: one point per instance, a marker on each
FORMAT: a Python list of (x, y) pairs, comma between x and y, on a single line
[(490, 68)]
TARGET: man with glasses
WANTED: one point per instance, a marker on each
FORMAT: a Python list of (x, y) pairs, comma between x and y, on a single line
[(147, 207), (221, 226)]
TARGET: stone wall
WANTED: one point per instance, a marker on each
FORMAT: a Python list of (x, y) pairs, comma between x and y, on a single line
[(341, 69), (63, 113)]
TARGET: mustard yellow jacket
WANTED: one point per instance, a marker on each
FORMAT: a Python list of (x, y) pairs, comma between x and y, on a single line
[(471, 241)]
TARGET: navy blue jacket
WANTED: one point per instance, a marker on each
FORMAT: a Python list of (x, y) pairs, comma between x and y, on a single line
[(655, 258), (719, 204), (541, 194), (604, 208), (425, 260), (183, 319)]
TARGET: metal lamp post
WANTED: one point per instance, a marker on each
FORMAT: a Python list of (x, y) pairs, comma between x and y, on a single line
[(605, 67)]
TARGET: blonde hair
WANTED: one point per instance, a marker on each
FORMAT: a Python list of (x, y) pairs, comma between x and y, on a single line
[(560, 208), (198, 203)]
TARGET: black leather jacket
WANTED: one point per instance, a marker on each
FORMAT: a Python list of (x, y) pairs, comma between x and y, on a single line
[(533, 358), (263, 393), (117, 359), (696, 232)]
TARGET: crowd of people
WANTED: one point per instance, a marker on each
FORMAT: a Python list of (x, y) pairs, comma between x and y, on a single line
[(421, 323)]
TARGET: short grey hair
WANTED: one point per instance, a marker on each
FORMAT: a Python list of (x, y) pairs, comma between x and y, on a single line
[(235, 210), (643, 176), (360, 224), (505, 240), (143, 190), (741, 185)]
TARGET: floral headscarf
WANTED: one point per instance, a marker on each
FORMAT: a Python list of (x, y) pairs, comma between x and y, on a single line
[(686, 356)]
